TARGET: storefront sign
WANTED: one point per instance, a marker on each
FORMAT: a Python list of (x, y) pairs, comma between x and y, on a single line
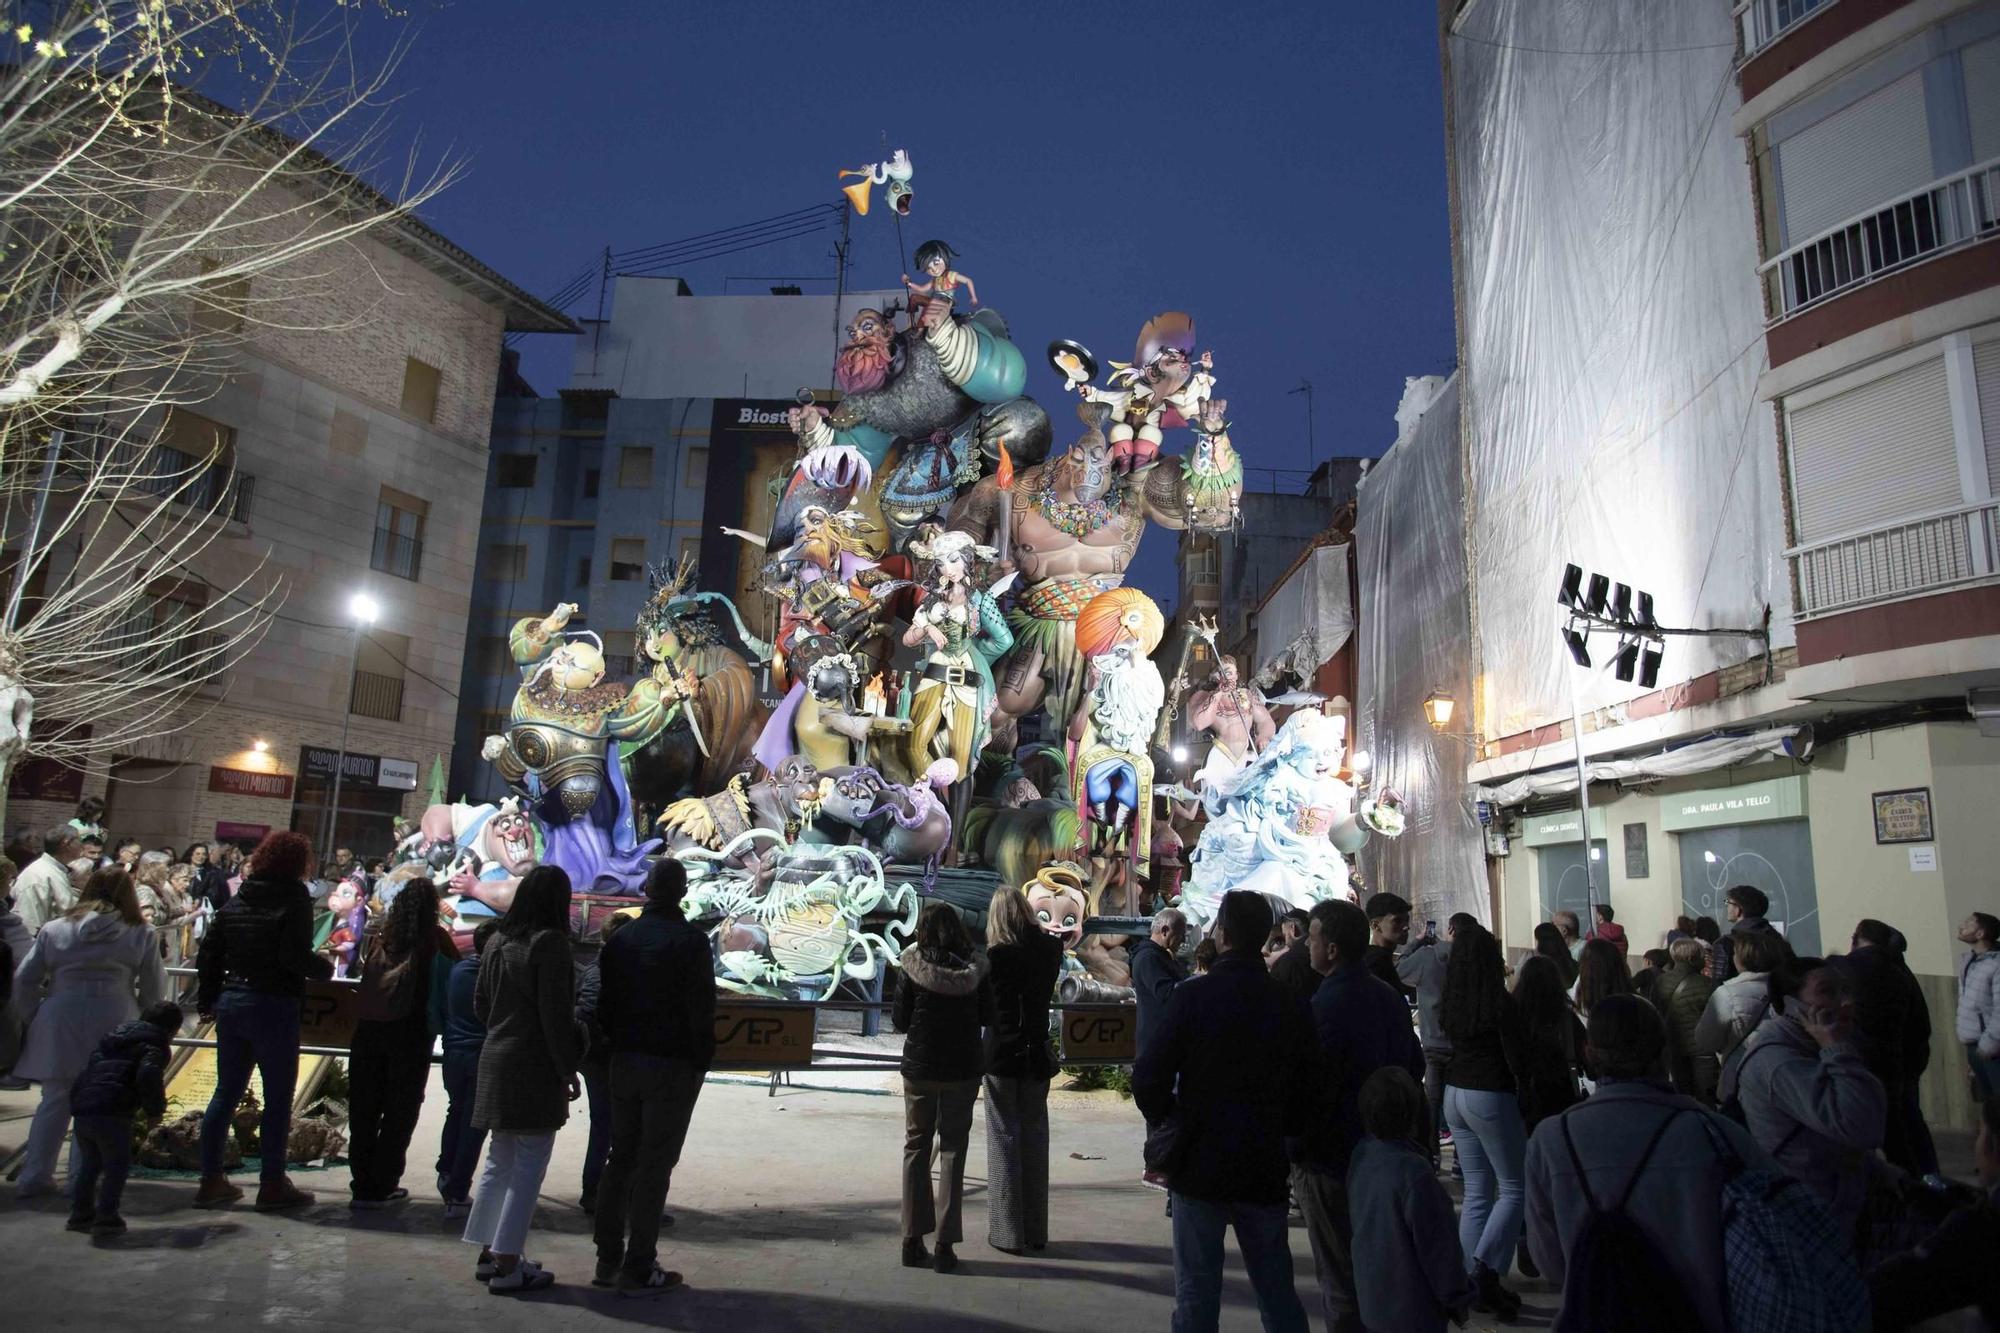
[(763, 1034), (1100, 1036), (1560, 827), (1719, 807), (400, 774), (362, 770), (326, 1014), (48, 779), (243, 782), (253, 833), (1903, 816)]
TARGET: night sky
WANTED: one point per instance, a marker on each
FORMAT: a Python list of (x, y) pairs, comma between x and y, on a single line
[(1275, 170)]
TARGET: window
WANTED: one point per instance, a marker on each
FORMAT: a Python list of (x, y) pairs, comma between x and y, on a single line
[(420, 389), (635, 466), (691, 551), (187, 441), (506, 562), (378, 676), (694, 475), (514, 472), (399, 534), (583, 572), (162, 631), (590, 484), (495, 657), (621, 649), (628, 559), (219, 305)]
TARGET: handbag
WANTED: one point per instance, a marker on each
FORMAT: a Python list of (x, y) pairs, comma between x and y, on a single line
[(388, 993)]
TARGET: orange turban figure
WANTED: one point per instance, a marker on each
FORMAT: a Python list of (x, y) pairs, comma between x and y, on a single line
[(1112, 617)]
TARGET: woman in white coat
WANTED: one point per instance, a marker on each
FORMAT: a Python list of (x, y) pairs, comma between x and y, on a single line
[(1738, 1005), (90, 969)]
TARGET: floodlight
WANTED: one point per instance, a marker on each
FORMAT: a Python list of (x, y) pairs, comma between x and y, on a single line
[(1572, 586), (1621, 603), (1627, 659), (1649, 664), (1579, 647), (1593, 601)]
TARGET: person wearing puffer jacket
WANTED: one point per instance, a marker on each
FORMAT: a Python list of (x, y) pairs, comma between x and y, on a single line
[(946, 997), (126, 1073), (1682, 999), (1739, 1004), (1979, 1002)]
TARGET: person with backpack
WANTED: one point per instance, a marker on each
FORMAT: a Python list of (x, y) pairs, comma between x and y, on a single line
[(126, 1074), (1806, 1094), (390, 1060), (1636, 1215)]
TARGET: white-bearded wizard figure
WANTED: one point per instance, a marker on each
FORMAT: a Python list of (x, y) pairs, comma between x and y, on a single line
[(1112, 771)]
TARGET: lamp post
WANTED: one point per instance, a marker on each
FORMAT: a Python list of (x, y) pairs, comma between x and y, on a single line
[(364, 609)]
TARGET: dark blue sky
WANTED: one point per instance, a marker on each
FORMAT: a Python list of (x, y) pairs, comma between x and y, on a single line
[(1275, 170)]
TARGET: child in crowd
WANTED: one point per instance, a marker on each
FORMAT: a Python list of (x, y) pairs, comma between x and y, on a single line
[(1409, 1273), (1204, 957), (126, 1073)]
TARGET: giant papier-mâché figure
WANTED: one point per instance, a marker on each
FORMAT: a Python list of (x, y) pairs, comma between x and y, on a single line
[(961, 632), (560, 750), (1112, 773), (1074, 525)]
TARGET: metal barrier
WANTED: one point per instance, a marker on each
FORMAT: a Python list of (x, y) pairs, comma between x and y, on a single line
[(777, 1037)]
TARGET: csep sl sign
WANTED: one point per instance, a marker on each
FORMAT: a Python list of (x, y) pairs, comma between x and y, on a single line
[(762, 1034), (1100, 1036)]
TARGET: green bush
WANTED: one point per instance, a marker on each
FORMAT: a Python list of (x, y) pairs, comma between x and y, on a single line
[(1090, 1078)]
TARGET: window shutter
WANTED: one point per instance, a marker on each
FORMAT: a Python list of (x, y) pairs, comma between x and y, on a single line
[(1880, 452), (1982, 97), (1871, 152), (1986, 374)]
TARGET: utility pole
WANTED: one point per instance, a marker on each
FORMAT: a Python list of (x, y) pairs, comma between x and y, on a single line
[(839, 283), (1312, 447)]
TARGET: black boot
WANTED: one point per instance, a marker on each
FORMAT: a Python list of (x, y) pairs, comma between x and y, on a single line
[(1525, 1261), (914, 1253), (1494, 1298), (946, 1260)]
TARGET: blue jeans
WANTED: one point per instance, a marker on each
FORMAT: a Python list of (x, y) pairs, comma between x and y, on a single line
[(1985, 1073), (458, 1147), (260, 1031), (1487, 1137), (1266, 1247), (103, 1159)]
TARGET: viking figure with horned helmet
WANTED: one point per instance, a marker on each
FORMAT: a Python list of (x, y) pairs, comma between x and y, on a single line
[(556, 750)]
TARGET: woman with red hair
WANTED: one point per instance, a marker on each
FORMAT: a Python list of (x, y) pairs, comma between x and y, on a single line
[(254, 964)]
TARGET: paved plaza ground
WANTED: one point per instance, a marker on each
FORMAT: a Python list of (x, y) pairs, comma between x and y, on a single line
[(786, 1212), (786, 1219)]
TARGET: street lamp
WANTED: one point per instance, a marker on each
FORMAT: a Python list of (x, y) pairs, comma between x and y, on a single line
[(364, 609), (1438, 708)]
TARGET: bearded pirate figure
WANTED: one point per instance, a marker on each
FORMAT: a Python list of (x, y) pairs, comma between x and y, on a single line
[(1075, 524), (1113, 774), (556, 750)]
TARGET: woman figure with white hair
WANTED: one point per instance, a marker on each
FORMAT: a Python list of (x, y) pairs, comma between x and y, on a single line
[(966, 634)]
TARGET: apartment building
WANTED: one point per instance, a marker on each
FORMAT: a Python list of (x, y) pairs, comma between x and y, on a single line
[(1738, 347), (358, 449)]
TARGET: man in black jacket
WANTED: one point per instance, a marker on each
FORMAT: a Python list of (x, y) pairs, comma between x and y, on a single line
[(1293, 969), (1156, 970), (1893, 1028), (656, 1008), (1229, 1062), (1744, 905)]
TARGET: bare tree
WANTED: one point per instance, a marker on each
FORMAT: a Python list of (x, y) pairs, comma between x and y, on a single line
[(170, 171)]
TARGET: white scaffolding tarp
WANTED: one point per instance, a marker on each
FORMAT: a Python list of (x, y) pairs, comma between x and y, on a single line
[(1409, 541), (1613, 336), (1308, 619)]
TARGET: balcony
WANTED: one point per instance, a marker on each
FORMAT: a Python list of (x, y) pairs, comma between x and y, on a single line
[(1762, 22), (377, 696), (396, 553), (1950, 213), (1936, 552), (163, 472)]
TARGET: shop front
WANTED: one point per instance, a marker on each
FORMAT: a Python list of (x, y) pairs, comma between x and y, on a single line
[(1755, 834), (373, 789), (1556, 839)]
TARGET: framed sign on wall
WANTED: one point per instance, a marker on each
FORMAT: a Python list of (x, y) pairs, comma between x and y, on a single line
[(1904, 816)]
